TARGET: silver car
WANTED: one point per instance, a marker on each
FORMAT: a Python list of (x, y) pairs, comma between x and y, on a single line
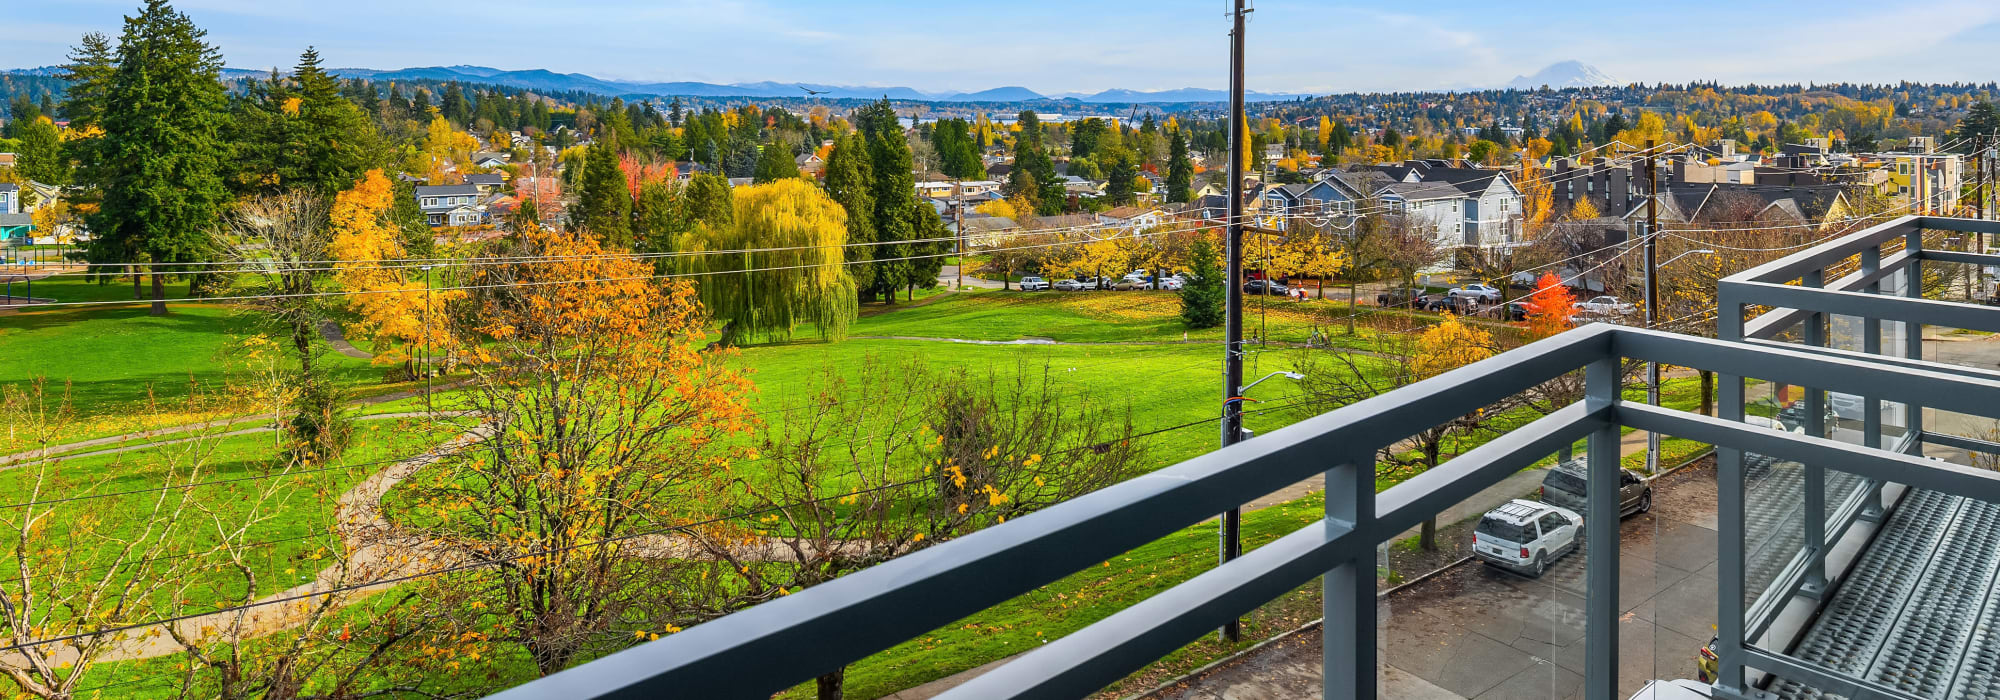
[(1526, 536)]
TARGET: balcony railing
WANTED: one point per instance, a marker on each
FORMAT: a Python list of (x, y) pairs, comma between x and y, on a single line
[(780, 644)]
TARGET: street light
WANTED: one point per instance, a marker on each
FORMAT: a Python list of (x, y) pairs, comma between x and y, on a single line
[(1653, 368), (1229, 536)]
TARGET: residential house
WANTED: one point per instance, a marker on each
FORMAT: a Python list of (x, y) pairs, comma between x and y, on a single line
[(1136, 217), (986, 231), (14, 223), (1485, 211), (809, 163), (488, 183), (489, 160), (451, 205), (8, 160)]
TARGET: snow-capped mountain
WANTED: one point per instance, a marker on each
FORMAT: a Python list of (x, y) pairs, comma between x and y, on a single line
[(1566, 74)]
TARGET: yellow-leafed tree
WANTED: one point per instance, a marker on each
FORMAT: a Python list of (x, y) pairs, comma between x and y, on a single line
[(799, 275), (394, 310)]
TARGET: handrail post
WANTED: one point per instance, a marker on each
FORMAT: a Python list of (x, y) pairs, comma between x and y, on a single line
[(1347, 639), (1871, 406), (1814, 483), (1729, 625), (1601, 388), (1913, 332)]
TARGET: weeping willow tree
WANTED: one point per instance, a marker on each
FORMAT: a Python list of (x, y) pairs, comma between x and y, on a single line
[(779, 264)]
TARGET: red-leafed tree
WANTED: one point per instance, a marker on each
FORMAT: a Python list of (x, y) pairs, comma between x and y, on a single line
[(638, 173), (1550, 307)]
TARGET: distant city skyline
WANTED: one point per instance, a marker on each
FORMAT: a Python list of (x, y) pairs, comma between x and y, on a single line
[(1053, 48)]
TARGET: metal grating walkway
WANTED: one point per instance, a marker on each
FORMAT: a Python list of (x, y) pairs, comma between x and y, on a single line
[(1916, 612)]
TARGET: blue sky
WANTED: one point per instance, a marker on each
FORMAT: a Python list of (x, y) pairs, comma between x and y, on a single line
[(1081, 45)]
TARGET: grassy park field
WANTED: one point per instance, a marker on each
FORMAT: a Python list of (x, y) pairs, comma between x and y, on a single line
[(1126, 352)]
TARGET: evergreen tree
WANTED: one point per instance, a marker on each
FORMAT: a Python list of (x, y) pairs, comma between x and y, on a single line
[(20, 111), (604, 204), (1180, 170), (160, 160), (775, 163), (1201, 299), (656, 220), (848, 181), (1980, 120), (42, 158), (301, 133), (892, 187)]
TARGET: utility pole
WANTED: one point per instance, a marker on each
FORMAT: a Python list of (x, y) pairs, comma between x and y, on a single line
[(958, 219), (1652, 297), (1230, 531)]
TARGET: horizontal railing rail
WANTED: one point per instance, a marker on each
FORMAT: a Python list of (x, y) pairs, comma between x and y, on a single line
[(783, 643)]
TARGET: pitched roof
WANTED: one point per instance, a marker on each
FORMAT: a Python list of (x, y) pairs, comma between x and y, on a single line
[(1416, 191), (485, 179), (9, 187), (445, 190), (1066, 221), (476, 157), (1127, 212), (11, 220), (989, 224)]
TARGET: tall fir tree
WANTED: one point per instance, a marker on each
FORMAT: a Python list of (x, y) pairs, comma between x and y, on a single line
[(775, 162), (849, 181), (159, 165), (1180, 170), (604, 202), (300, 132)]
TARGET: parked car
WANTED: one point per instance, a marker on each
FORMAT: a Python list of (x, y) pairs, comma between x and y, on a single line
[(1033, 284), (1792, 418), (1568, 485), (1132, 282), (1173, 284), (1070, 285), (1682, 689), (1400, 296), (1846, 406), (1485, 294), (1515, 311), (1266, 287), (1605, 306), (1526, 536), (1706, 663)]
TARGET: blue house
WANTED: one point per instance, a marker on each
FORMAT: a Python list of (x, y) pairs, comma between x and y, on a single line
[(14, 223)]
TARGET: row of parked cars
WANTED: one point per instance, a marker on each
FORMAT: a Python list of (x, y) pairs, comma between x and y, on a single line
[(1135, 280), (1471, 297)]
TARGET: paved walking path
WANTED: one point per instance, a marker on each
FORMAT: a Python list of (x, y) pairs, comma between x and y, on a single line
[(338, 339)]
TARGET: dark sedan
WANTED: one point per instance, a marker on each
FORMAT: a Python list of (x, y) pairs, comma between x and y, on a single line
[(1266, 287)]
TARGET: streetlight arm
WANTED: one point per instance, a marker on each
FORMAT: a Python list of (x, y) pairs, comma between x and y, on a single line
[(1288, 375)]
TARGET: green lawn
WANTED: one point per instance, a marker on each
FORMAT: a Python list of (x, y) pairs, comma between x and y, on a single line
[(235, 472), (124, 370)]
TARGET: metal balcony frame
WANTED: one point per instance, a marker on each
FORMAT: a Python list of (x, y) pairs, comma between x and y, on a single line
[(1797, 295), (766, 649)]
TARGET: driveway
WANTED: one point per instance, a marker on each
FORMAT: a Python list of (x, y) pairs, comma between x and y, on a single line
[(1477, 632)]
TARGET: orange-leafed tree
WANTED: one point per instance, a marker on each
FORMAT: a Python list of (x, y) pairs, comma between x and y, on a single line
[(395, 310), (602, 433), (1550, 307)]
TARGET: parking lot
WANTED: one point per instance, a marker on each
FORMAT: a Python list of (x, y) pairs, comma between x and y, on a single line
[(1477, 632)]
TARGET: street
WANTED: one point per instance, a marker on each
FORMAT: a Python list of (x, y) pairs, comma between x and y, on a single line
[(1481, 633)]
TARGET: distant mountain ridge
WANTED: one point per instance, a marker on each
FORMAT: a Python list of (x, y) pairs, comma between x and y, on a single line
[(1565, 74), (542, 80)]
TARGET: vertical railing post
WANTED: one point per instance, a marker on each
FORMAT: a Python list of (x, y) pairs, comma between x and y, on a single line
[(1347, 640), (1871, 406), (1913, 340), (1815, 476), (1729, 499), (1600, 678)]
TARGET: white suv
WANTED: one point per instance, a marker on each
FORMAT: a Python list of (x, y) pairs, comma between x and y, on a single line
[(1525, 536), (1033, 284)]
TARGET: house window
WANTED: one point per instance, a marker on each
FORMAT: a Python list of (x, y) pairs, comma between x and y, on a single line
[(430, 201)]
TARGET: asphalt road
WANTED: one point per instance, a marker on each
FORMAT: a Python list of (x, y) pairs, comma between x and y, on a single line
[(1478, 632)]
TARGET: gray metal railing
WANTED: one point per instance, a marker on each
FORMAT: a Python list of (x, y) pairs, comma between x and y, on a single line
[(792, 640), (1801, 295)]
